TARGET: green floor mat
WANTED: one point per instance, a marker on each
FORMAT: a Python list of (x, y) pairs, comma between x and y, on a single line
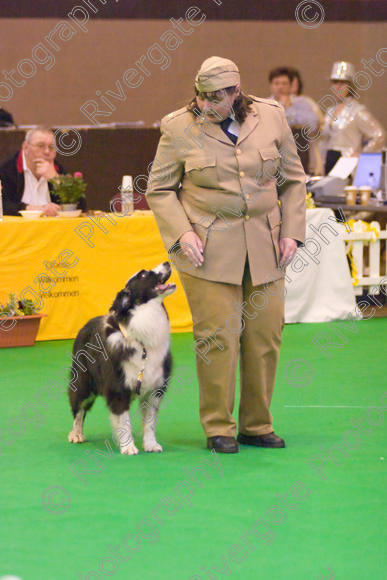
[(262, 513)]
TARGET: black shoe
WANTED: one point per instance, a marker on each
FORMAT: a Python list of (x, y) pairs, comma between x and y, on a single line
[(223, 444), (268, 440)]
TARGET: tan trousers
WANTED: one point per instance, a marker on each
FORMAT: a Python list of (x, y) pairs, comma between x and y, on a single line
[(222, 332)]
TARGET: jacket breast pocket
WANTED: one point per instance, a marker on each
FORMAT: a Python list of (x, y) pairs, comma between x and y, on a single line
[(271, 159), (274, 223), (202, 171)]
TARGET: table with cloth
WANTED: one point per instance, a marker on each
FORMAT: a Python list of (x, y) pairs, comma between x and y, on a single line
[(320, 289), (53, 264), (28, 249)]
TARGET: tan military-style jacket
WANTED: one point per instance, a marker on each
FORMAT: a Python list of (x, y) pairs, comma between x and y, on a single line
[(229, 194)]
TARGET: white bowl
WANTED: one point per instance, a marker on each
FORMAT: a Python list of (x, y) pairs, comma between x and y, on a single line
[(31, 214), (70, 214)]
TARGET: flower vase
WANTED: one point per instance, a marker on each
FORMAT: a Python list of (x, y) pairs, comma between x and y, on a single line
[(69, 206)]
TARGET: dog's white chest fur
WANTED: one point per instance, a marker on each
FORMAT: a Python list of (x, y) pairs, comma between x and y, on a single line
[(149, 328), (149, 324)]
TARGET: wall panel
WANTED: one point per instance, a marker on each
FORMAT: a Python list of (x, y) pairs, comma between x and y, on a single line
[(96, 60)]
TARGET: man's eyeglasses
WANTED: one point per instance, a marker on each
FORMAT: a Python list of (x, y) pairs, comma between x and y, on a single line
[(42, 146)]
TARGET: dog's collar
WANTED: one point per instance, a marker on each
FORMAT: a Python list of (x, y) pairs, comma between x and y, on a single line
[(140, 375), (123, 331)]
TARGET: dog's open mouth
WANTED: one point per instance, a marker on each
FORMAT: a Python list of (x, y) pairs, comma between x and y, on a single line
[(162, 288)]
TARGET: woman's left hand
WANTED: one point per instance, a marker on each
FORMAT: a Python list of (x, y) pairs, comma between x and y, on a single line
[(288, 247)]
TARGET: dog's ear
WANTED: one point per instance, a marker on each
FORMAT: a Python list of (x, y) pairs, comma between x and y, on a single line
[(122, 303)]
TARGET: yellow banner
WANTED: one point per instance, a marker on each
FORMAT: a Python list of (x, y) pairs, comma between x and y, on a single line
[(73, 267)]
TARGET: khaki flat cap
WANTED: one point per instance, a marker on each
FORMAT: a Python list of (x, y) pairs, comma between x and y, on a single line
[(217, 73)]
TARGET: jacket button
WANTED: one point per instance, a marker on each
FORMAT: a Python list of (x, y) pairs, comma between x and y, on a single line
[(247, 196), (247, 217), (241, 174), (238, 151)]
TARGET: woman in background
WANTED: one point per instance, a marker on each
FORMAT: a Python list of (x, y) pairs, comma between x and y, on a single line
[(315, 160), (299, 111)]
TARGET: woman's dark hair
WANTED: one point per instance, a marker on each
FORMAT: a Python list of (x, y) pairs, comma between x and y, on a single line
[(297, 75), (280, 72), (240, 107)]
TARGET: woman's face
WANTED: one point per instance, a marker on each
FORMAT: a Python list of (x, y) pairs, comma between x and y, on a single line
[(340, 87), (219, 102), (280, 86)]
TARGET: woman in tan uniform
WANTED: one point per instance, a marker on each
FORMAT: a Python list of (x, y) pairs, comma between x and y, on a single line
[(221, 167)]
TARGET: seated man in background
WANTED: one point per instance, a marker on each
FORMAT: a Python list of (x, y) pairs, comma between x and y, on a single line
[(24, 177)]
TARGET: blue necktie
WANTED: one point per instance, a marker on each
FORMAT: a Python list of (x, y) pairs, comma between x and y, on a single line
[(225, 125)]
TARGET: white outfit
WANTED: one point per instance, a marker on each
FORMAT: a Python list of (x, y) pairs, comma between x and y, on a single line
[(355, 131), (36, 191)]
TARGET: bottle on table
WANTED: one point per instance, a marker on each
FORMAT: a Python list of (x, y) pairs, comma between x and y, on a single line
[(122, 202), (127, 195)]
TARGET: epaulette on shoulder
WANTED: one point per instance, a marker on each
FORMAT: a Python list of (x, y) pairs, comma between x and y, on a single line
[(271, 102), (175, 115)]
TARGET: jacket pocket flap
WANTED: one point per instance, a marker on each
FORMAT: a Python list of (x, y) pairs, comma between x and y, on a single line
[(269, 153), (274, 218), (199, 163), (196, 217)]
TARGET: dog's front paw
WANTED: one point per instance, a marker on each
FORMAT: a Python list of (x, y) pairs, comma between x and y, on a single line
[(76, 437), (130, 449), (152, 447)]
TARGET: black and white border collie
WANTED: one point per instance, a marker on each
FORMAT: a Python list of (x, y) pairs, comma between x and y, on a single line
[(136, 359)]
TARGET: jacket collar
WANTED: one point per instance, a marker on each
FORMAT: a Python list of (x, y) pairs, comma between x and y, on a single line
[(214, 129), (19, 162), (248, 125)]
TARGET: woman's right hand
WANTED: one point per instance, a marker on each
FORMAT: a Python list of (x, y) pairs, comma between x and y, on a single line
[(192, 247)]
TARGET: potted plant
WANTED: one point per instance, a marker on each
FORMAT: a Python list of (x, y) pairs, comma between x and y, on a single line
[(70, 189), (19, 322)]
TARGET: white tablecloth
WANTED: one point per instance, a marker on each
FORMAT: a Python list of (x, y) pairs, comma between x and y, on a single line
[(319, 292)]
